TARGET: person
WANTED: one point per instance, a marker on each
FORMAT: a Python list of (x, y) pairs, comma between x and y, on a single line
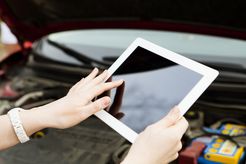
[(158, 143)]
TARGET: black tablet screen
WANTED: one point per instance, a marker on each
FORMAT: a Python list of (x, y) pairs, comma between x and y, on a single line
[(153, 85)]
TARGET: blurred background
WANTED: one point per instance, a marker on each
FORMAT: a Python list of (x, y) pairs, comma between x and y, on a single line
[(57, 42)]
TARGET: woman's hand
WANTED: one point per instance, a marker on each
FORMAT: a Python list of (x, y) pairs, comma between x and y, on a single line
[(66, 112), (77, 105), (159, 143)]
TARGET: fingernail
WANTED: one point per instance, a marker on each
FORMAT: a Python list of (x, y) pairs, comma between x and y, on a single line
[(175, 112), (105, 72), (94, 69), (121, 81), (106, 102)]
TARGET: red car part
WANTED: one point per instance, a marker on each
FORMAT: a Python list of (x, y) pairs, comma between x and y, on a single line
[(191, 153)]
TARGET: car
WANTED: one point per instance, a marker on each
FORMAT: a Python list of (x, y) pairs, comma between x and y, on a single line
[(62, 41)]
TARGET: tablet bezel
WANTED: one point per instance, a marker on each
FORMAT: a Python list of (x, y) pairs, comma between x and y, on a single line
[(208, 74)]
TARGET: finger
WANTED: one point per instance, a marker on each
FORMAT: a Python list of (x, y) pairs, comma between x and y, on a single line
[(179, 146), (173, 157), (107, 93), (170, 119), (100, 78), (91, 76), (85, 80), (180, 127), (96, 106), (115, 107), (99, 89)]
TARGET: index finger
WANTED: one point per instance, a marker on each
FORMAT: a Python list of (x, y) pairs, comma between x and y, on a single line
[(180, 126), (102, 88)]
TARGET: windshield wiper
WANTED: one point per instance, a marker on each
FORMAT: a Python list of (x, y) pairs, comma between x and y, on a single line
[(80, 56), (110, 58), (230, 67), (229, 72)]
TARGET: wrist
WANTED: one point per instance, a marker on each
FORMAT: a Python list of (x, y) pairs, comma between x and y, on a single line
[(44, 117), (33, 120), (50, 114)]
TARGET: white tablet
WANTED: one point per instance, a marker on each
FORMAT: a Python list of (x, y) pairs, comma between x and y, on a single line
[(156, 80)]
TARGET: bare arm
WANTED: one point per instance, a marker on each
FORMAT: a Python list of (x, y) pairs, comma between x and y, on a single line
[(157, 144), (66, 112), (32, 121)]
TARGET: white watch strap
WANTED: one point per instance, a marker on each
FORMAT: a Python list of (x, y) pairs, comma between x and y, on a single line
[(14, 117)]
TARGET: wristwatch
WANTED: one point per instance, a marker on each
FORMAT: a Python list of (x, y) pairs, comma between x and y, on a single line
[(14, 117)]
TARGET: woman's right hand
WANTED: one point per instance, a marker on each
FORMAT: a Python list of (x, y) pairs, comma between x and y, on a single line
[(159, 143), (78, 104), (63, 113)]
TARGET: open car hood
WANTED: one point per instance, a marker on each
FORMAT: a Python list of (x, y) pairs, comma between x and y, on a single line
[(32, 19)]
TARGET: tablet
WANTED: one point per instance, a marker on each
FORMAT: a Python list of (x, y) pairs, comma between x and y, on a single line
[(156, 80)]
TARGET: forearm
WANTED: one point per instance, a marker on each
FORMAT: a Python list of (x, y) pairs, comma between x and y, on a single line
[(32, 121), (63, 113)]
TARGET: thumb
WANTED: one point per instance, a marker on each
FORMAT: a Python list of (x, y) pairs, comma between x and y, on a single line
[(180, 126), (171, 118)]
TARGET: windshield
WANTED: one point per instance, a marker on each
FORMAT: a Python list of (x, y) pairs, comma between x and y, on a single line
[(105, 44)]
